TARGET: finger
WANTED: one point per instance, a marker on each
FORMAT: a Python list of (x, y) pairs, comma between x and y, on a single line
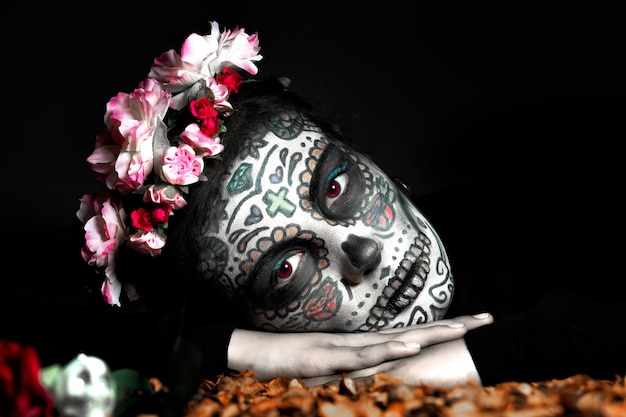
[(471, 321), (432, 335), (441, 330), (374, 352), (445, 330), (475, 321), (324, 362)]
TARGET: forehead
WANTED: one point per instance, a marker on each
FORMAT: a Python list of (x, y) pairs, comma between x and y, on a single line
[(271, 179)]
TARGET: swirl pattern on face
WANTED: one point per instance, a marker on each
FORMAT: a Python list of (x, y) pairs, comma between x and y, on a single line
[(317, 237)]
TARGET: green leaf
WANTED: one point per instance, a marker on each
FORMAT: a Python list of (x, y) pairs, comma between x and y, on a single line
[(49, 374), (131, 386)]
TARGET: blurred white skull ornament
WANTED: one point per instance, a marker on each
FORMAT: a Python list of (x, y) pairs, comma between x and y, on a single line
[(85, 388)]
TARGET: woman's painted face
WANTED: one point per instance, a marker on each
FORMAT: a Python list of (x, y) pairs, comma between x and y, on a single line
[(317, 237)]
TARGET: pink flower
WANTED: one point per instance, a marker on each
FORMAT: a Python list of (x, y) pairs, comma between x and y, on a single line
[(201, 59), (131, 170), (220, 95), (102, 217), (235, 48), (194, 136), (135, 153), (181, 165), (148, 243), (102, 159), (148, 102), (165, 194), (203, 143), (175, 73), (133, 119)]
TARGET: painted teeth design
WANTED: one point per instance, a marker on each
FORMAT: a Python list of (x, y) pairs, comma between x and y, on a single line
[(404, 287)]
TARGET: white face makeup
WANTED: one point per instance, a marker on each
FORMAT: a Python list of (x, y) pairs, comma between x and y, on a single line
[(317, 237)]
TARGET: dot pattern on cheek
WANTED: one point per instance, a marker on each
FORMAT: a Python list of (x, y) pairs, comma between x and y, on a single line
[(307, 202)]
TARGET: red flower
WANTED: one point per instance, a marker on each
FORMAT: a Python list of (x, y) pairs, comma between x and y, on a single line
[(202, 108), (210, 126), (161, 214), (21, 392), (141, 219), (231, 79)]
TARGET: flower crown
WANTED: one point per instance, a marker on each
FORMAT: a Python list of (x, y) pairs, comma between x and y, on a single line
[(139, 153)]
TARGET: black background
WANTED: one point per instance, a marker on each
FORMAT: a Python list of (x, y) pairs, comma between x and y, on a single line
[(441, 94)]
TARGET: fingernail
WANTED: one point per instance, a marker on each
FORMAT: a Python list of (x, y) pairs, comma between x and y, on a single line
[(481, 315), (412, 345), (455, 325)]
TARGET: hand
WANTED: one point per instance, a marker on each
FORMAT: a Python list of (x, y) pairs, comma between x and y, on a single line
[(443, 365), (316, 354)]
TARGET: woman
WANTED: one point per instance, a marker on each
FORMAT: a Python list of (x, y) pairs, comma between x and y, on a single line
[(279, 224), (291, 253), (302, 233)]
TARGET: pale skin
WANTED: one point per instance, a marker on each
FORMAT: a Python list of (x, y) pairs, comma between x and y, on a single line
[(334, 265), (432, 353)]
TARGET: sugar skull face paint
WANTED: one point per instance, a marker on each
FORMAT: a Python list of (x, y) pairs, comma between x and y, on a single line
[(317, 237)]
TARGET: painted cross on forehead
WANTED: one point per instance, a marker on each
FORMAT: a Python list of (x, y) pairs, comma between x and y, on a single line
[(315, 235)]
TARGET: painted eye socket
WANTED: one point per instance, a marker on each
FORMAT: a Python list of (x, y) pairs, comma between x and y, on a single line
[(281, 274), (286, 269), (336, 185)]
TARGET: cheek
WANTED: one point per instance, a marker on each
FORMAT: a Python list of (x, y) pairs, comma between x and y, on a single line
[(381, 215), (382, 205), (323, 302)]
